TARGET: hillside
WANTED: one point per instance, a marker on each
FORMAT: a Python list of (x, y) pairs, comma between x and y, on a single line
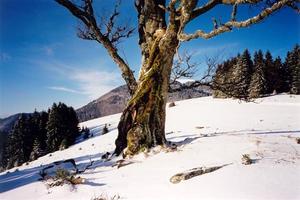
[(208, 132), (6, 124), (114, 101)]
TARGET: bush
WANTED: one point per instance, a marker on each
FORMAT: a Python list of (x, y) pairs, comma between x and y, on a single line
[(62, 174), (298, 140)]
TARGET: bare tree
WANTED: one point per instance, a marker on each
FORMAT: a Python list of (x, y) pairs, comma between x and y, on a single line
[(161, 25)]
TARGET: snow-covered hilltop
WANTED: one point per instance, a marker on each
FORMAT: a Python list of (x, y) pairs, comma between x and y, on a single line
[(208, 132)]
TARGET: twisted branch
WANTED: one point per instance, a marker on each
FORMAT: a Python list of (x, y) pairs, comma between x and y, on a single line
[(235, 24), (109, 39)]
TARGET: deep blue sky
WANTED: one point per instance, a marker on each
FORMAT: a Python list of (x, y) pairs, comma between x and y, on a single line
[(42, 61)]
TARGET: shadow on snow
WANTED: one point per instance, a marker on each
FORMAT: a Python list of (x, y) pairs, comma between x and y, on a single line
[(19, 178)]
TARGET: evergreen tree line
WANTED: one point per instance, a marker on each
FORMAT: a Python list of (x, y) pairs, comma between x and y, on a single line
[(243, 77), (40, 133)]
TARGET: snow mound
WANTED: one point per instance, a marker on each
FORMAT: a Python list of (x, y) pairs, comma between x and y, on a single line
[(208, 132)]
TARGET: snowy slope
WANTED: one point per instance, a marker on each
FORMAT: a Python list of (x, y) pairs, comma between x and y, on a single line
[(208, 132)]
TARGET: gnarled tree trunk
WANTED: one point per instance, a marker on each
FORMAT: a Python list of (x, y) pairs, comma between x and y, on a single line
[(142, 123)]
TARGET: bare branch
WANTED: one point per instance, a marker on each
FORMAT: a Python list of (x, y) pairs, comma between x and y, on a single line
[(234, 24), (212, 3), (294, 6), (233, 2), (212, 63), (91, 31), (233, 13), (203, 9), (183, 67), (85, 34)]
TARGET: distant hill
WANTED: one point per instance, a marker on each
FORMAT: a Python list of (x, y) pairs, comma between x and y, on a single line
[(111, 103), (115, 101), (6, 124)]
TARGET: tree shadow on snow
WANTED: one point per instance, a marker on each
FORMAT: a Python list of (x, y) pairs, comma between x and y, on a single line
[(256, 132), (188, 139), (19, 178), (96, 131)]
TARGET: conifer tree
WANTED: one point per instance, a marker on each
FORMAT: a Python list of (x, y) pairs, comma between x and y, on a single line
[(271, 73), (281, 75), (37, 150), (294, 65), (242, 75), (54, 129), (15, 154), (219, 80), (62, 127), (42, 136), (258, 81)]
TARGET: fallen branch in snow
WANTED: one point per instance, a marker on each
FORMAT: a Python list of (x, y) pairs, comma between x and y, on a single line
[(194, 172)]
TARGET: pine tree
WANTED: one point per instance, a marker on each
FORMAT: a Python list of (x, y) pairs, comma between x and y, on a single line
[(281, 75), (285, 75), (3, 144), (241, 75), (54, 129), (62, 127), (271, 73), (223, 82), (294, 65), (72, 126), (219, 80), (258, 81), (15, 154), (42, 136), (37, 150)]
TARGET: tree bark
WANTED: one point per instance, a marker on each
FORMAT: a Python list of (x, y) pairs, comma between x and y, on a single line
[(142, 124)]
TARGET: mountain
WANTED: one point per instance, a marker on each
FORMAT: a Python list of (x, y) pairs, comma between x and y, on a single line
[(115, 101), (110, 103), (8, 123)]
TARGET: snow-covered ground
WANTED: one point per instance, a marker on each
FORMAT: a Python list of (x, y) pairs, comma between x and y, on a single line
[(208, 132)]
